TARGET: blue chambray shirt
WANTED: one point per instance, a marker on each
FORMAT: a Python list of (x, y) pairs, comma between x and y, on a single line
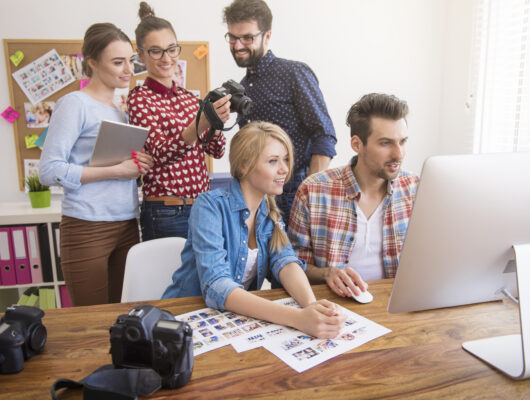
[(286, 93), (215, 254)]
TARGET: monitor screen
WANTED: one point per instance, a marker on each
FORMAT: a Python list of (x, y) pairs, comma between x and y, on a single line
[(468, 212)]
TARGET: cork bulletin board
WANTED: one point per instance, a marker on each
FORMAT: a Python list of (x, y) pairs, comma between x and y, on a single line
[(197, 79)]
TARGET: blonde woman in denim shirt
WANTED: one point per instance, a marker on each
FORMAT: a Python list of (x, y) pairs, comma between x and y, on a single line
[(236, 236)]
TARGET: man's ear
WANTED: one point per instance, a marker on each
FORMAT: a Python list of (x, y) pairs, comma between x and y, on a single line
[(267, 38), (356, 143)]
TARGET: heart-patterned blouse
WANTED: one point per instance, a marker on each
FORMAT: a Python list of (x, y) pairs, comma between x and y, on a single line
[(179, 169)]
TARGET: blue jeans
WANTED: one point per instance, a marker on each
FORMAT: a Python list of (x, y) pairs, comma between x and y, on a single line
[(158, 220)]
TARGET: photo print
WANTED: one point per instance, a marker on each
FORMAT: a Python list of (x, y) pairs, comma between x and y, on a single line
[(43, 77), (138, 65), (74, 62), (38, 115)]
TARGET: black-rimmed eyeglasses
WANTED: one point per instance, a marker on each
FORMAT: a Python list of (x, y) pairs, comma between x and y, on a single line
[(157, 54), (245, 39)]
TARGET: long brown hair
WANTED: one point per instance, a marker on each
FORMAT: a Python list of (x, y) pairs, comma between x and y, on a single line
[(245, 148)]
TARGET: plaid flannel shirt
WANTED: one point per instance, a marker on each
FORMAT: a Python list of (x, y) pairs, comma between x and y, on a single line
[(323, 220)]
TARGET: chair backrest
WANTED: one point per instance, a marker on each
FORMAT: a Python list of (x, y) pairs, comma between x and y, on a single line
[(149, 268)]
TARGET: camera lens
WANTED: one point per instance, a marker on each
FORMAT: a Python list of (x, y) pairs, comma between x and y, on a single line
[(37, 338), (132, 334), (246, 106)]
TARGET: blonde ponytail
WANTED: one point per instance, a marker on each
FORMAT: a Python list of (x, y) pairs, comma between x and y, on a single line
[(279, 238)]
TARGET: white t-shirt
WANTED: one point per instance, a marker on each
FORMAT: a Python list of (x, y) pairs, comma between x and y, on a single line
[(251, 268), (367, 255)]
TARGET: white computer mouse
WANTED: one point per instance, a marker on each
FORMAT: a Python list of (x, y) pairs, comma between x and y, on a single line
[(363, 298)]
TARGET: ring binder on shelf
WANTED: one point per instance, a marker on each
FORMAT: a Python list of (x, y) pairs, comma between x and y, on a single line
[(34, 253), (57, 247), (20, 253), (7, 267), (45, 254), (65, 297)]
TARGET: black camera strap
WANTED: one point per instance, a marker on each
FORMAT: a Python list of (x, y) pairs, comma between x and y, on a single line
[(108, 383), (216, 124)]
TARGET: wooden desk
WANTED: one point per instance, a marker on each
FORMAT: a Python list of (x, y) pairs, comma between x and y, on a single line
[(421, 359)]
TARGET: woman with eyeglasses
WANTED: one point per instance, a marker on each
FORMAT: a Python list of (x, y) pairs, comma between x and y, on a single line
[(179, 173)]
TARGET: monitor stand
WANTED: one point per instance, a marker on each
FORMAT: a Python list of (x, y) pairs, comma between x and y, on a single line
[(508, 353)]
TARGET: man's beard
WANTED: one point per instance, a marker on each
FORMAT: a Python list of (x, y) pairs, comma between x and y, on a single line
[(253, 58), (389, 176)]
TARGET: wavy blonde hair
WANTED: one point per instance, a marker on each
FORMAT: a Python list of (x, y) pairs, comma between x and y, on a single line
[(245, 148)]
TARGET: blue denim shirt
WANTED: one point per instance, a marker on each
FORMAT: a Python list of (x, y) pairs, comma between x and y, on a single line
[(215, 254)]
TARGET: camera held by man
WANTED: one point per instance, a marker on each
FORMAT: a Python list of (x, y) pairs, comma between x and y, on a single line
[(22, 335), (148, 337)]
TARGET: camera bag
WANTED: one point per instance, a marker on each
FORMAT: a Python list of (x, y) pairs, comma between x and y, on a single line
[(108, 383)]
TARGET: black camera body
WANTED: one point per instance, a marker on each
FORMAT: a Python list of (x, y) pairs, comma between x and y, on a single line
[(22, 335), (148, 337), (239, 102)]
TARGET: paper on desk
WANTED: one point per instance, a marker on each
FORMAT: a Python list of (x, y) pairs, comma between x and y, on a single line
[(213, 329), (301, 351)]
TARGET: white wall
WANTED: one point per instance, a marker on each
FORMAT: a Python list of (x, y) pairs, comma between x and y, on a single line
[(415, 49)]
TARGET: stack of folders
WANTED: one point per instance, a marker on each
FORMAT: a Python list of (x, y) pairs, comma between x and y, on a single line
[(25, 255), (44, 297)]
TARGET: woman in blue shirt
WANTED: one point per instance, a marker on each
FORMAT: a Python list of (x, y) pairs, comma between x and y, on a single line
[(100, 204), (236, 237)]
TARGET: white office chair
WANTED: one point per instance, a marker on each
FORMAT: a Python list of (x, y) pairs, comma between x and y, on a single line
[(149, 268)]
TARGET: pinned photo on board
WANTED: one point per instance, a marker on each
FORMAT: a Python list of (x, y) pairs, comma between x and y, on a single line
[(75, 63), (139, 66), (43, 77), (38, 115), (180, 74)]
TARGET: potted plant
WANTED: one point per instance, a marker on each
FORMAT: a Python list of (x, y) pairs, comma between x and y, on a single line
[(40, 195)]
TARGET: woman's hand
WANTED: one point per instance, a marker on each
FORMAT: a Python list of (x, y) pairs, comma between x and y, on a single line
[(322, 319), (222, 107), (136, 166), (143, 161)]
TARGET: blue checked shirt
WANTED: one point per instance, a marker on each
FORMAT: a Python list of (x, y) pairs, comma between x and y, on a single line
[(286, 93)]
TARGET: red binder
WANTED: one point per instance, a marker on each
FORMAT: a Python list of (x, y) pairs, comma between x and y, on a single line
[(65, 297), (7, 265), (35, 263), (20, 252)]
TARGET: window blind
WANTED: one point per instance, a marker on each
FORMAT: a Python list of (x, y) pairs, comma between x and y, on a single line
[(501, 66)]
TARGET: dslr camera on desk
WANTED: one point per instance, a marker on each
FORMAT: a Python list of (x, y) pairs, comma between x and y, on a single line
[(148, 337), (22, 335)]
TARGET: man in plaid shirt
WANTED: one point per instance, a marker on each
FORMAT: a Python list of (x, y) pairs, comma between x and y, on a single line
[(349, 223)]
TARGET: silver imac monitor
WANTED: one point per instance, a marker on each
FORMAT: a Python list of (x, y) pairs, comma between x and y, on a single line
[(469, 211)]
